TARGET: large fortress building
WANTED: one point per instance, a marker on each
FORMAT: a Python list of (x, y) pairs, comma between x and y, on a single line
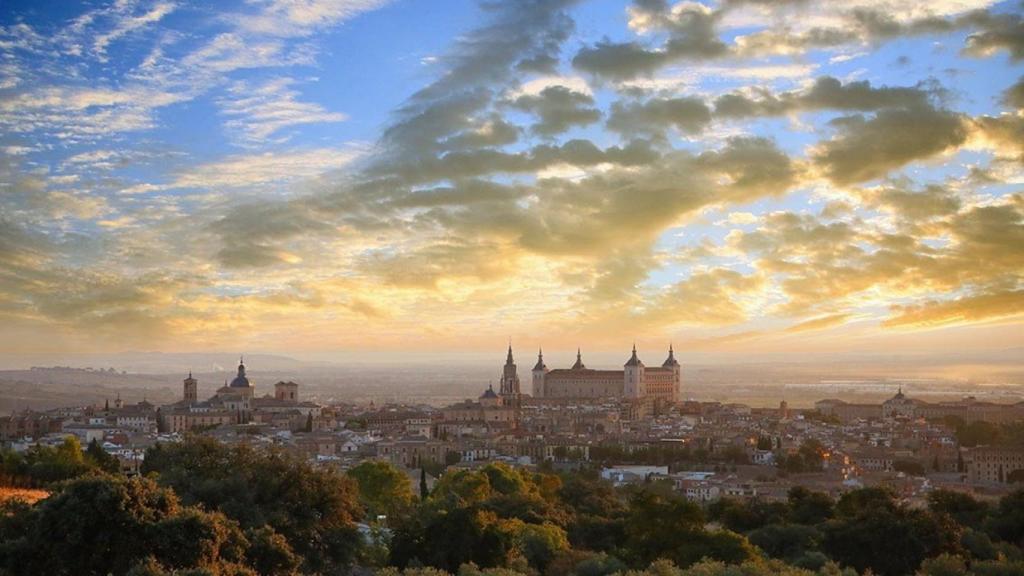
[(635, 380)]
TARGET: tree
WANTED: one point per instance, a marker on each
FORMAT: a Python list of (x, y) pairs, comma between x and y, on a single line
[(944, 565), (807, 507), (1008, 518), (963, 508), (313, 508), (98, 525), (585, 563), (668, 526), (539, 543), (424, 490), (492, 516), (597, 514), (786, 541), (101, 459), (43, 465), (853, 503), (872, 531), (383, 489), (745, 515), (270, 554), (448, 540)]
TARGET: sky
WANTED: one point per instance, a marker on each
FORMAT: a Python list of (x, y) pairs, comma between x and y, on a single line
[(308, 176)]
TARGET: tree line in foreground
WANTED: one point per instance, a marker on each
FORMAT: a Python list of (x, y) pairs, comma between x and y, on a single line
[(202, 508)]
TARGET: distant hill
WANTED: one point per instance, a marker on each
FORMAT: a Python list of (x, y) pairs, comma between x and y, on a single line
[(42, 388)]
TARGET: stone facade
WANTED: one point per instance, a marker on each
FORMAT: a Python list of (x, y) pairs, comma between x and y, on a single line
[(634, 381)]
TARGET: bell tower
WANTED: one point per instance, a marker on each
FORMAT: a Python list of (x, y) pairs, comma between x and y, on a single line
[(509, 377), (677, 374), (191, 389), (540, 370), (633, 373)]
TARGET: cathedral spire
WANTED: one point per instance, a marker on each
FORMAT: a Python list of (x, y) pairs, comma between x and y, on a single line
[(509, 378)]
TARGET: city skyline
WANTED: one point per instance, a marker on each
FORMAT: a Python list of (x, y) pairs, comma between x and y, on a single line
[(308, 177)]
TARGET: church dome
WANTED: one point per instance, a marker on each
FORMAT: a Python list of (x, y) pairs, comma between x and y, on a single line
[(240, 380)]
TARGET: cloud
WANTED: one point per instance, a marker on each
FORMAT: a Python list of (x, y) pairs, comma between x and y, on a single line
[(869, 148), (1003, 135), (997, 32), (495, 192), (968, 309), (428, 266), (247, 170), (860, 25), (559, 108), (826, 93), (692, 31), (1013, 97), (829, 268), (709, 298), (481, 60), (688, 115), (288, 18), (127, 23), (819, 323), (489, 132), (76, 114), (933, 200), (258, 112), (692, 34), (752, 166), (250, 232)]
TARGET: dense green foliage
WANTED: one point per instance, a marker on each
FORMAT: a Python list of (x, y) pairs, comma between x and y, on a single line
[(104, 524), (314, 509), (42, 465), (205, 508), (383, 489)]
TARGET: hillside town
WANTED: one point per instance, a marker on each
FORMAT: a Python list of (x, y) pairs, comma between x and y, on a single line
[(638, 428)]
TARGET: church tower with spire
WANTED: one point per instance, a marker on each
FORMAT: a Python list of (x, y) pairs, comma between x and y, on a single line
[(540, 370), (633, 375), (191, 389), (509, 390), (677, 374)]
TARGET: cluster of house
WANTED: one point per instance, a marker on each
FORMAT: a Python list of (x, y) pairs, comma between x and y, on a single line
[(717, 449)]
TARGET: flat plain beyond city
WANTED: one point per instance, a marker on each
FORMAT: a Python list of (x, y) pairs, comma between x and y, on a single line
[(512, 288)]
